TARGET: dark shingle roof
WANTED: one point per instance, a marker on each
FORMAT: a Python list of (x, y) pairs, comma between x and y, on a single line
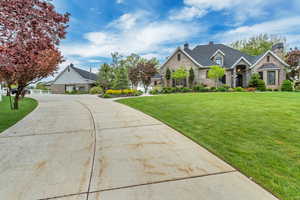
[(203, 53), (85, 74)]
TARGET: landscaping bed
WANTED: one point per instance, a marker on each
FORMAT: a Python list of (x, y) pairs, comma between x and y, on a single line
[(256, 132), (10, 117), (121, 93)]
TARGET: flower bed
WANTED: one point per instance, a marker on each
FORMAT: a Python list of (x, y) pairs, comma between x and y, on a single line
[(121, 93)]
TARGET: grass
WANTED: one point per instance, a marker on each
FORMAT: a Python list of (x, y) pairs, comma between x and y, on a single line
[(258, 133), (10, 117)]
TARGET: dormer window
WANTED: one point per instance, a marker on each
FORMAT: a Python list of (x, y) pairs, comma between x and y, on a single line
[(219, 60), (179, 57)]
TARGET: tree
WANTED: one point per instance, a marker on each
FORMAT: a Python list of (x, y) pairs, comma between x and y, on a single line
[(254, 80), (191, 77), (146, 70), (180, 74), (30, 31), (257, 45), (168, 76), (293, 59), (105, 76), (134, 76), (216, 72), (120, 78)]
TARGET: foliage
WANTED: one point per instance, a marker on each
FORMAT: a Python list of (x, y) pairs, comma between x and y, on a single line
[(125, 92), (216, 72), (293, 59), (297, 88), (191, 77), (251, 89), (96, 90), (105, 76), (134, 76), (239, 89), (252, 129), (269, 89), (261, 85), (222, 89), (168, 74), (146, 70), (253, 82), (106, 96), (41, 86), (30, 32), (257, 45), (180, 74), (121, 78), (287, 85)]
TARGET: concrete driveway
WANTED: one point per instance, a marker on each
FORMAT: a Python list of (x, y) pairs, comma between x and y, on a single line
[(83, 147)]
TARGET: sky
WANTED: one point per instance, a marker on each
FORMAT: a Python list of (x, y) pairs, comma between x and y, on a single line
[(154, 28)]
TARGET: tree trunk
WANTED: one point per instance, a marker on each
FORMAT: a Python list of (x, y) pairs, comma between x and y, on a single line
[(16, 101), (8, 93)]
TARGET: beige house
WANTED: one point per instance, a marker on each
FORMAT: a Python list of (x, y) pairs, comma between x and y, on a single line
[(239, 66)]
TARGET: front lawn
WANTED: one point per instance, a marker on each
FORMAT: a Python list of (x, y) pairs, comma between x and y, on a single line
[(9, 117), (258, 133)]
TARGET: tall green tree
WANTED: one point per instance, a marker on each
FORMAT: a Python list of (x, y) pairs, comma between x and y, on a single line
[(105, 76), (120, 78), (257, 45), (216, 73), (168, 76), (191, 77)]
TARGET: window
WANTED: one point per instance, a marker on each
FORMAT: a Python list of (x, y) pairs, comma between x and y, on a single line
[(179, 57), (268, 58), (261, 75), (207, 74), (219, 60), (271, 77)]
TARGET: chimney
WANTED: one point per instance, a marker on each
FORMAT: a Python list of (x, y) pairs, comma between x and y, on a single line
[(278, 49), (186, 45), (211, 43)]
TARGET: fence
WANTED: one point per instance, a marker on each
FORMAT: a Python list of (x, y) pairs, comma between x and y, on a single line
[(35, 91)]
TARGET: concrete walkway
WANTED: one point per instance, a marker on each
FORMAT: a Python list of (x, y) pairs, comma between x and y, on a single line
[(83, 147)]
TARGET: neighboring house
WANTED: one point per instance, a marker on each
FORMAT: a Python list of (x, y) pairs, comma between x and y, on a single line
[(73, 79), (239, 66)]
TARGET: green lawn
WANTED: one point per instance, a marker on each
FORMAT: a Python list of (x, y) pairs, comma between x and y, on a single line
[(258, 133), (9, 117)]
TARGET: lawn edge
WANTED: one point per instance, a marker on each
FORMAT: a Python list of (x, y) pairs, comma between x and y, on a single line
[(35, 107), (179, 131)]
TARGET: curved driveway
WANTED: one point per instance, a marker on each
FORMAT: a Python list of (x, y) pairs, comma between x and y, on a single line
[(84, 147)]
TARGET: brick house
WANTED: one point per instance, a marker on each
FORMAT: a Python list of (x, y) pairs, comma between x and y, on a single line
[(238, 66), (72, 78)]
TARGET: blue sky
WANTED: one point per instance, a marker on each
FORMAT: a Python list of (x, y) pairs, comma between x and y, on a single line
[(155, 28)]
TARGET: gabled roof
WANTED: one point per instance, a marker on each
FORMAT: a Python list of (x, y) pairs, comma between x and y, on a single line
[(265, 54), (85, 74)]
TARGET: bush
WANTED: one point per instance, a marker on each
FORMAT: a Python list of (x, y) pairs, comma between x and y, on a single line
[(287, 85), (222, 89), (96, 90), (251, 89), (261, 86), (106, 96), (184, 90), (297, 88), (254, 80), (239, 89), (154, 92), (137, 93), (200, 88), (275, 90), (212, 89), (269, 89), (167, 90), (231, 90), (125, 92), (225, 86)]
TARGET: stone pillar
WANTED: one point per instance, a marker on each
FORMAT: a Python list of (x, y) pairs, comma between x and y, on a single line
[(277, 79), (234, 78)]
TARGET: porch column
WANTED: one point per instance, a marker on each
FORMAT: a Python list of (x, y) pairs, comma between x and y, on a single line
[(277, 78)]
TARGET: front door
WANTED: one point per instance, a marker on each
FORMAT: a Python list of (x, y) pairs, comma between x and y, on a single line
[(239, 80)]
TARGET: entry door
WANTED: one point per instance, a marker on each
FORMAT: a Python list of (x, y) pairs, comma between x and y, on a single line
[(239, 80)]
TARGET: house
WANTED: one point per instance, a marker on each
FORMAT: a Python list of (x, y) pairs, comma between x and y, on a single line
[(238, 66), (73, 79)]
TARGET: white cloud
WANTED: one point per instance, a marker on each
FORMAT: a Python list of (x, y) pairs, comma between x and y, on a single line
[(142, 36), (119, 1), (288, 27), (240, 9)]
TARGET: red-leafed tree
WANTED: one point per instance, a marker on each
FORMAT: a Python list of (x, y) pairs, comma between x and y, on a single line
[(146, 71), (30, 32), (293, 59)]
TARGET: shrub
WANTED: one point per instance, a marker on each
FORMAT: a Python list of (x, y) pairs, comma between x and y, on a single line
[(269, 89), (213, 89), (297, 88), (287, 85), (222, 89), (154, 92), (251, 89), (275, 90), (137, 93), (231, 90), (239, 89), (184, 89), (96, 90), (200, 88), (225, 86), (261, 86), (106, 96), (254, 80)]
